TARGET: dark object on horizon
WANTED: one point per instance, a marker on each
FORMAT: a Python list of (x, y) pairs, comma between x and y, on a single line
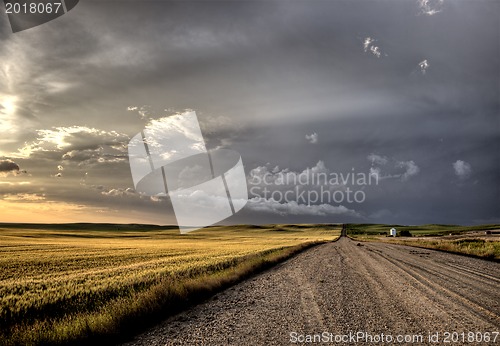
[(405, 233)]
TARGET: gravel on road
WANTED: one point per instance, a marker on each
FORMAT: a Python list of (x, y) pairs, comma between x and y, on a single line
[(344, 288)]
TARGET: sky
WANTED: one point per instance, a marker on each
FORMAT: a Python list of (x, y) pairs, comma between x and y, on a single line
[(405, 91)]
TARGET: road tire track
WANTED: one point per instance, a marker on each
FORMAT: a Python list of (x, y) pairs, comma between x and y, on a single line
[(344, 287)]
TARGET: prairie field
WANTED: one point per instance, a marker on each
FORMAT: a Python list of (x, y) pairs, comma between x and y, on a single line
[(484, 248), (479, 241), (63, 285)]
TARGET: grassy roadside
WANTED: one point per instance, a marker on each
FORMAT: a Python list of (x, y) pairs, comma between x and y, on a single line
[(416, 230), (449, 238), (82, 316), (468, 246)]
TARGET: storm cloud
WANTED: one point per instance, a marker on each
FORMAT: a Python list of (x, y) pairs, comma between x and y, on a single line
[(403, 89), (8, 166)]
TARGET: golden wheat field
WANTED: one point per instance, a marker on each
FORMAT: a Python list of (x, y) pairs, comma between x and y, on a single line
[(63, 286)]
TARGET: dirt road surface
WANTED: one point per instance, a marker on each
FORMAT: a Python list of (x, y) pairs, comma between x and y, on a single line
[(344, 288)]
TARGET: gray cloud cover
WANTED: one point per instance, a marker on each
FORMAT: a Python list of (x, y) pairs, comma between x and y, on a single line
[(420, 96)]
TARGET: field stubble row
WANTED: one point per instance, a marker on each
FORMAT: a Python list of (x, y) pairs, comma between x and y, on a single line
[(87, 282)]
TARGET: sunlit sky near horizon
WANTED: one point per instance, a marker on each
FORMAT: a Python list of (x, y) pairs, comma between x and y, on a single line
[(407, 89)]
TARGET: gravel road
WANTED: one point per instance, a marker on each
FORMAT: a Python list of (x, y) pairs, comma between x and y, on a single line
[(343, 288)]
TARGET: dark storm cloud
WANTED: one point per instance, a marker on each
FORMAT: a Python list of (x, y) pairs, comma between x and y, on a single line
[(8, 166), (262, 76), (263, 65)]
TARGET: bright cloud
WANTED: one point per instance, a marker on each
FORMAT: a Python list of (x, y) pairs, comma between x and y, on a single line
[(293, 208), (312, 138), (369, 46), (411, 169), (377, 159), (314, 191), (144, 111), (375, 51), (8, 107), (285, 177), (462, 169), (423, 65), (77, 143), (24, 197), (392, 168), (367, 43), (430, 7), (117, 192)]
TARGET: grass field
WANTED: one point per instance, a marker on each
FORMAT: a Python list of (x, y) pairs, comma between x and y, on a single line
[(418, 230), (75, 284), (478, 247), (457, 239)]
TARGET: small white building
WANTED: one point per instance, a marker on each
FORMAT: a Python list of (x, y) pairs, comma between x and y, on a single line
[(392, 232)]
